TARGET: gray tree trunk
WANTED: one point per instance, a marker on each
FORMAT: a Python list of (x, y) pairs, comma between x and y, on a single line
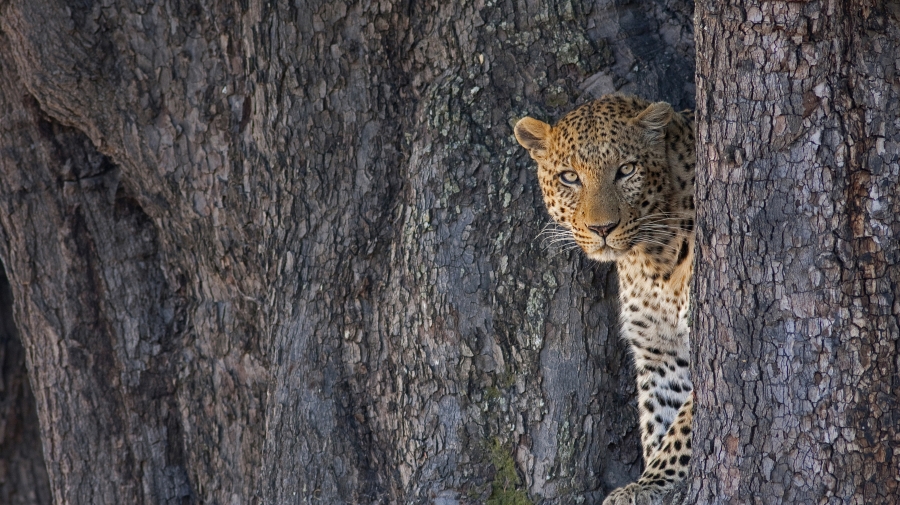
[(23, 475), (287, 253), (797, 284)]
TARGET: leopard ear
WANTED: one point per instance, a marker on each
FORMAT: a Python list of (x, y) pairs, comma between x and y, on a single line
[(533, 135), (654, 120)]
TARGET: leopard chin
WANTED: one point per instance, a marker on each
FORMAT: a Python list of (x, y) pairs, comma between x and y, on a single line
[(602, 253)]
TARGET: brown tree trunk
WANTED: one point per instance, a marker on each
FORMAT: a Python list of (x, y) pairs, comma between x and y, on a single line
[(287, 253), (797, 369)]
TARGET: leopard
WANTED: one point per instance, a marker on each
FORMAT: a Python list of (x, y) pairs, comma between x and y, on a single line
[(617, 176)]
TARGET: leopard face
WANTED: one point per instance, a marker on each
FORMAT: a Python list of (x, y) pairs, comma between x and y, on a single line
[(618, 174)]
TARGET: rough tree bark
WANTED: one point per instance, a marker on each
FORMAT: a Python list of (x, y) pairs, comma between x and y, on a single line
[(23, 475), (797, 366), (286, 252)]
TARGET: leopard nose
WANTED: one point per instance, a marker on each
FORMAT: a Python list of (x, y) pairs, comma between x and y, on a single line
[(603, 229)]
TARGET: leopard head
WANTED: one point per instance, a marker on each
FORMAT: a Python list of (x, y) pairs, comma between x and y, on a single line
[(604, 173)]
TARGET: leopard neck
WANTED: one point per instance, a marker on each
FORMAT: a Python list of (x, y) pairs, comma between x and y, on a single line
[(653, 264)]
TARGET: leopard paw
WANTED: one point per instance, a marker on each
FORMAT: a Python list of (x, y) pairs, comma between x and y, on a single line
[(636, 493)]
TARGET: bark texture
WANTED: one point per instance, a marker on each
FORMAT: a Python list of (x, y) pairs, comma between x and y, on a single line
[(797, 369), (23, 475), (286, 252)]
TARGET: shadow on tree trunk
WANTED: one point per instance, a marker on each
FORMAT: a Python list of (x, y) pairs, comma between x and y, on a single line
[(23, 475)]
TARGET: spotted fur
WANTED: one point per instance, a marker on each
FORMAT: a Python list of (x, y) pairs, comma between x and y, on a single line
[(618, 175)]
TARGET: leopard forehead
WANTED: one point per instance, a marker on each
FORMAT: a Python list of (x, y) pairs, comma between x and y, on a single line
[(599, 127)]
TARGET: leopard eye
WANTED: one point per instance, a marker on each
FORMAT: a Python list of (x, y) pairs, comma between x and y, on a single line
[(569, 177), (626, 170)]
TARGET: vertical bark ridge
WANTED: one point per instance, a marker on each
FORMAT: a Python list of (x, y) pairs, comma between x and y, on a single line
[(23, 474), (796, 325)]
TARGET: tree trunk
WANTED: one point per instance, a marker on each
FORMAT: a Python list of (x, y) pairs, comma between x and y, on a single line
[(797, 369), (288, 253)]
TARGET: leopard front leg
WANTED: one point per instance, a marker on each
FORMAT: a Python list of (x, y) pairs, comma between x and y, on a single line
[(667, 467)]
